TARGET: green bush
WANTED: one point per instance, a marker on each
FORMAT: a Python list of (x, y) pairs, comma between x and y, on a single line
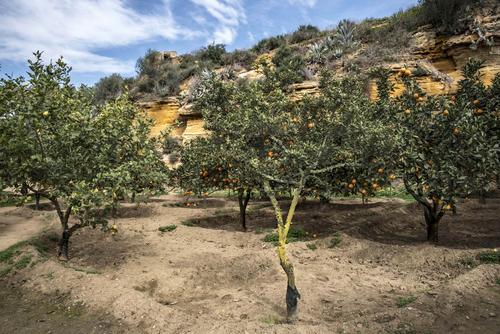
[(445, 15), (490, 257), (290, 65), (167, 228), (161, 77), (171, 145), (269, 44), (243, 58), (304, 33), (294, 235), (336, 240), (312, 247), (108, 88), (212, 53)]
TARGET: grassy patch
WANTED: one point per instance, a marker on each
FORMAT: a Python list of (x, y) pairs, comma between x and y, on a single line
[(5, 271), (84, 270), (24, 261), (336, 240), (294, 235), (404, 301), (405, 328), (468, 262), (271, 320), (44, 243), (7, 254), (168, 228), (312, 247), (392, 192), (189, 223), (492, 257), (260, 230)]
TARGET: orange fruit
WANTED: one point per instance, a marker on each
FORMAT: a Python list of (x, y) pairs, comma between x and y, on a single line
[(353, 181), (270, 154), (380, 171), (407, 111), (456, 131), (310, 125), (446, 113)]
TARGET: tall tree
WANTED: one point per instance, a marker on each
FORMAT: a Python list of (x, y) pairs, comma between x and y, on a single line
[(55, 142)]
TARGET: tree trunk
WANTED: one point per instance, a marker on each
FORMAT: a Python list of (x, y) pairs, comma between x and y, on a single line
[(432, 231), (243, 202), (132, 199), (37, 201), (292, 294), (432, 221), (63, 251)]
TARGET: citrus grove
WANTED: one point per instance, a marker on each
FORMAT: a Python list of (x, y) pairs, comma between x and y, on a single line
[(86, 158)]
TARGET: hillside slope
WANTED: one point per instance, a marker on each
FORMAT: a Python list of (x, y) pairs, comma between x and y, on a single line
[(435, 60)]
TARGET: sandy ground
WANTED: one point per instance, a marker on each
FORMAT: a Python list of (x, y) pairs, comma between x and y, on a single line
[(17, 224), (212, 278)]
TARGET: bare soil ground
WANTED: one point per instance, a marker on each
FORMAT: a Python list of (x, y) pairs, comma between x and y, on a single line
[(207, 276)]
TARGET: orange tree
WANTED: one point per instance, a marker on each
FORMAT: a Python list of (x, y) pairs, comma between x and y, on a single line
[(448, 145), (210, 164), (80, 157), (290, 143)]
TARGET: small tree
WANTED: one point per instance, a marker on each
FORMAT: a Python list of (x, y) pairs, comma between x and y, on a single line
[(289, 143), (210, 164), (110, 88), (55, 142), (448, 146)]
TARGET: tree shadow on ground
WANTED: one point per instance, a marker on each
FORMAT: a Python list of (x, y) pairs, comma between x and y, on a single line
[(43, 206), (391, 222), (92, 250)]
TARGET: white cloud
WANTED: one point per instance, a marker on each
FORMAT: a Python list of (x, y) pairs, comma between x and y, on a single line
[(78, 29), (304, 3), (224, 35), (228, 13)]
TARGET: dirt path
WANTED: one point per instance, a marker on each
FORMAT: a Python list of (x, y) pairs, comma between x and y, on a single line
[(19, 224), (208, 277)]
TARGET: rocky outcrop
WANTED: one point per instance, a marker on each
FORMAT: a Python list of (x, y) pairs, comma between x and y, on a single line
[(164, 112), (437, 61)]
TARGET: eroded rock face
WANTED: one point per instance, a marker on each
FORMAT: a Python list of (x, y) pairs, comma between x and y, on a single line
[(164, 112), (439, 60)]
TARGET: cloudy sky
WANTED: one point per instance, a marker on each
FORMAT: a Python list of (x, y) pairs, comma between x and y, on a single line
[(100, 37)]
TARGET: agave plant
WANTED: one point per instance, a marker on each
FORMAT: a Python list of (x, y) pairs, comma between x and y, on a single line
[(330, 42), (337, 52), (317, 53), (345, 34)]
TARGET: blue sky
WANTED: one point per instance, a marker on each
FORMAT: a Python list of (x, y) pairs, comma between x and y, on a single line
[(100, 37)]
